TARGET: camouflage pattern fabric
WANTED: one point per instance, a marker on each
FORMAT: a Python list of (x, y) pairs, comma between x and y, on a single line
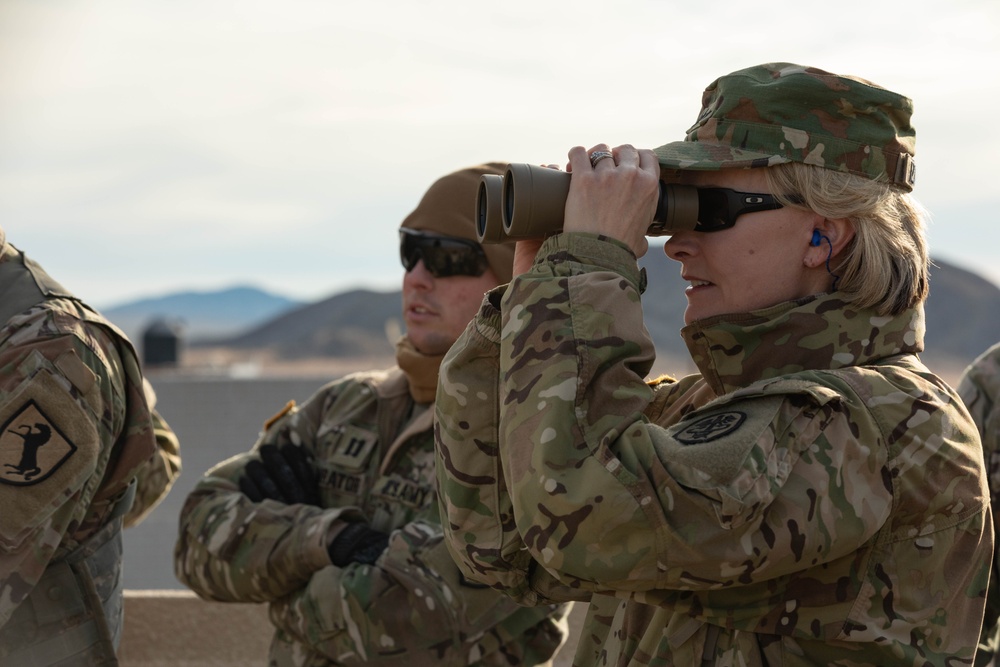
[(374, 456), (157, 475), (979, 387), (755, 118), (74, 427), (814, 497)]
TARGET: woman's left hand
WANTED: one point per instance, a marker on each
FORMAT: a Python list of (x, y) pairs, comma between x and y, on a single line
[(616, 196)]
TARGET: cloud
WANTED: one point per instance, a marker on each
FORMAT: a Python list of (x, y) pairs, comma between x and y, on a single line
[(310, 130)]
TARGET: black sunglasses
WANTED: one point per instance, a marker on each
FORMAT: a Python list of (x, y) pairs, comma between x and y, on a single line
[(718, 208), (443, 256)]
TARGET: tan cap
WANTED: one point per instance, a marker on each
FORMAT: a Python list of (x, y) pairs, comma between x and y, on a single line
[(449, 208)]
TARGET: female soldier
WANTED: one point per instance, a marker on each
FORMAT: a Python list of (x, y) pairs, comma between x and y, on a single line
[(814, 495)]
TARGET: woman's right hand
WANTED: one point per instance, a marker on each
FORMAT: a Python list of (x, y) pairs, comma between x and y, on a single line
[(616, 197)]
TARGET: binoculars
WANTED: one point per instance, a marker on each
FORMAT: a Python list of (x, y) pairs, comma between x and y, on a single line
[(529, 202)]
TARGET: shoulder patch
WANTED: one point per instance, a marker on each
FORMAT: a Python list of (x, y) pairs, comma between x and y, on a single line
[(712, 427), (289, 406), (51, 444), (32, 447), (661, 379)]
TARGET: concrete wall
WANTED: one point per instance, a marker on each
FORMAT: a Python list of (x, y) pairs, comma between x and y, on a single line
[(176, 629)]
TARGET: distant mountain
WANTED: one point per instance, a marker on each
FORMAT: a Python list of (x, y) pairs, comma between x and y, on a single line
[(201, 315), (963, 319), (962, 313), (354, 323), (963, 316)]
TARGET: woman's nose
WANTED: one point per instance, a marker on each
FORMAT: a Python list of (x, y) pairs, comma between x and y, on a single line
[(679, 245)]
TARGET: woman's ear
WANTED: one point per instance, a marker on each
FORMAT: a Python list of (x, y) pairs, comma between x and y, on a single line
[(829, 238)]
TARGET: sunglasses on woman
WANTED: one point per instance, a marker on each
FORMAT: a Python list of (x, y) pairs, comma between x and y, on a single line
[(718, 208), (704, 209), (443, 256)]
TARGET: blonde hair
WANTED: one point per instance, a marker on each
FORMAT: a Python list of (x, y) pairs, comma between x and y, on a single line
[(886, 264)]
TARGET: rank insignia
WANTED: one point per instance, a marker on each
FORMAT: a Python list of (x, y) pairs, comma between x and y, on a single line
[(354, 448)]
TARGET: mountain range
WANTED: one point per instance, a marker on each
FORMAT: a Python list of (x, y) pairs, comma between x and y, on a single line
[(201, 314), (963, 319)]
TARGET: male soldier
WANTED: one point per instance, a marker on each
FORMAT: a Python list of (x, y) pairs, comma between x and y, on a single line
[(74, 428), (979, 388), (332, 516)]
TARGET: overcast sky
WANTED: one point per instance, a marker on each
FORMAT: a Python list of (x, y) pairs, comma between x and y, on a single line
[(152, 146)]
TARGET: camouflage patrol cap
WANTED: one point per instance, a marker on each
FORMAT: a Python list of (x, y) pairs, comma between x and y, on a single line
[(449, 207), (779, 112)]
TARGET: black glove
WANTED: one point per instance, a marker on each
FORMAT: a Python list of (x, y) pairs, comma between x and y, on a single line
[(283, 473), (357, 543)]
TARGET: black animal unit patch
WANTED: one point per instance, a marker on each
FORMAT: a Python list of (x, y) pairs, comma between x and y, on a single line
[(31, 447)]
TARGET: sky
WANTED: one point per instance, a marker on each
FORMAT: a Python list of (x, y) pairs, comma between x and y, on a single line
[(149, 147)]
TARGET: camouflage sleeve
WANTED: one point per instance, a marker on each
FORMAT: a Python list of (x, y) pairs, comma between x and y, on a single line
[(475, 506), (979, 388), (73, 432), (159, 472), (412, 602), (232, 549), (608, 502)]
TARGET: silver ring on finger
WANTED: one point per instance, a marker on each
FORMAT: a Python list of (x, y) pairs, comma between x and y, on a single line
[(597, 156)]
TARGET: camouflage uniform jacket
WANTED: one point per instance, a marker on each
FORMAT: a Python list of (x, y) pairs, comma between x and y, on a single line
[(374, 454), (815, 496), (157, 475), (979, 387), (74, 428)]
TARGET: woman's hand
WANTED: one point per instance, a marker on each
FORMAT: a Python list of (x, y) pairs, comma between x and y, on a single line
[(616, 196)]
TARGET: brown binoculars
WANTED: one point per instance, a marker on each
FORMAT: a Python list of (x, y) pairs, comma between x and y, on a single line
[(529, 202)]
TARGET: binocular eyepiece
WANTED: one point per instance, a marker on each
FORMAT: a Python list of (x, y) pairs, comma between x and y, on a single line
[(529, 202)]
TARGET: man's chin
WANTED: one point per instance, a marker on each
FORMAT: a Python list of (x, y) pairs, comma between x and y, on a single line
[(430, 344)]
